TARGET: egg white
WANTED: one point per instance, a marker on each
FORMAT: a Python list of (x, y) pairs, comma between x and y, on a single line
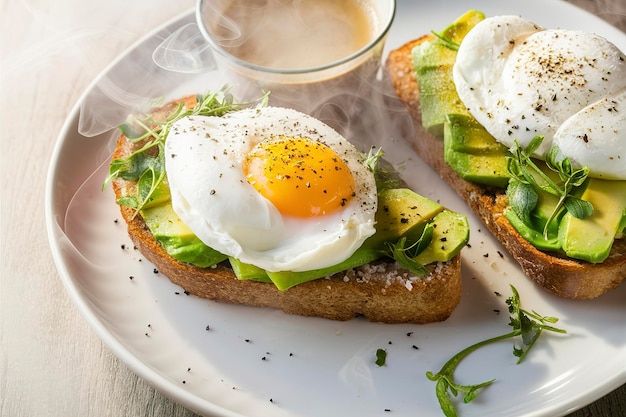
[(210, 193), (520, 80), (595, 137)]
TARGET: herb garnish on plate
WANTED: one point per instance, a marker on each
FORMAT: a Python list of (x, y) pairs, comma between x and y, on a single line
[(527, 325)]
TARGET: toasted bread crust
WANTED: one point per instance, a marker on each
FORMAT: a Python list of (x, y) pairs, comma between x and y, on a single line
[(378, 292), (560, 275)]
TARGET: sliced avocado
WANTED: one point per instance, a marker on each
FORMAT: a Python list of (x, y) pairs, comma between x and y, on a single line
[(622, 227), (176, 237), (160, 195), (591, 239), (287, 279), (438, 97), (432, 54), (534, 235), (457, 30), (401, 213), (450, 235), (466, 135), (482, 169), (473, 153), (248, 272), (435, 53), (433, 62)]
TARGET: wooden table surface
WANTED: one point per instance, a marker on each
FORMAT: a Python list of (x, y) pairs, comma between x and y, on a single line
[(51, 362)]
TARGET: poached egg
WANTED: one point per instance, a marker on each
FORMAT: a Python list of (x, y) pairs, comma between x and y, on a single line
[(520, 80), (272, 187)]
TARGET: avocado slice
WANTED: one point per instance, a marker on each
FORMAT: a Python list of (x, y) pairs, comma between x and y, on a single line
[(160, 195), (402, 213), (473, 153), (465, 134), (591, 239), (287, 279), (438, 97), (433, 61), (534, 235), (245, 271), (482, 169), (176, 237), (450, 234)]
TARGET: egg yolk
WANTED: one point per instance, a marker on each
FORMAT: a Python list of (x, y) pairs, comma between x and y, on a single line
[(301, 177)]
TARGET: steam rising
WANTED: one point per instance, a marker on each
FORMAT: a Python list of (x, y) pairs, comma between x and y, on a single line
[(185, 51), (169, 64), (174, 62)]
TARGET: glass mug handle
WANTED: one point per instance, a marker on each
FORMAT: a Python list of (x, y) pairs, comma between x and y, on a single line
[(185, 51)]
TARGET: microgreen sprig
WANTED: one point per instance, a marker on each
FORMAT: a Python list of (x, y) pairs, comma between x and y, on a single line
[(372, 158), (447, 42), (526, 325), (146, 165), (527, 178), (385, 175), (405, 255)]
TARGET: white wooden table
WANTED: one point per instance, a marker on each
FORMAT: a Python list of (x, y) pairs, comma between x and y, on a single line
[(51, 363)]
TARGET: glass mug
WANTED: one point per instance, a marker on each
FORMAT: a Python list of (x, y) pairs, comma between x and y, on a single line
[(321, 57)]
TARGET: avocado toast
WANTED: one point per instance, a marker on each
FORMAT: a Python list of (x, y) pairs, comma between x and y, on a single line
[(570, 257), (373, 286)]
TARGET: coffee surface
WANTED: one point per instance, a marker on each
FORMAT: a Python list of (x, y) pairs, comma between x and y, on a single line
[(294, 34)]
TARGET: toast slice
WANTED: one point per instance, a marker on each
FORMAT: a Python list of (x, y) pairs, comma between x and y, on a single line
[(562, 276), (382, 292)]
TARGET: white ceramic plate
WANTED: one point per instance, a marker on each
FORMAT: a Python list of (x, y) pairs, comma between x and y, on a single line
[(264, 363)]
